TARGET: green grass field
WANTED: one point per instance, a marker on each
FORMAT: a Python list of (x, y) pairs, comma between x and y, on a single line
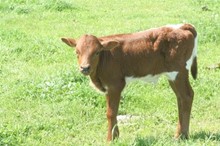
[(45, 101)]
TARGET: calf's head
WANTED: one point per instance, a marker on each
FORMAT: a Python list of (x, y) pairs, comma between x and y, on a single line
[(88, 49)]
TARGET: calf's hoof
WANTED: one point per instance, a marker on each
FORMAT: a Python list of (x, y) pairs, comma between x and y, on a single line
[(181, 136)]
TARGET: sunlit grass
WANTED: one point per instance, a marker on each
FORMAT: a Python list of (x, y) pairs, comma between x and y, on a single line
[(44, 100)]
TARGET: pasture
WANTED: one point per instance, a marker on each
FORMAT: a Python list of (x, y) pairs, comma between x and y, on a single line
[(45, 100)]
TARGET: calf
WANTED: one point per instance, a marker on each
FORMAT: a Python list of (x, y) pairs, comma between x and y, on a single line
[(112, 61)]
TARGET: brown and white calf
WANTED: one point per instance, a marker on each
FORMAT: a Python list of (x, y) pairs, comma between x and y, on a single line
[(112, 61)]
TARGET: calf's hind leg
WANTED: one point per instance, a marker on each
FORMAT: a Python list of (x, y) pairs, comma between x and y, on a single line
[(184, 94)]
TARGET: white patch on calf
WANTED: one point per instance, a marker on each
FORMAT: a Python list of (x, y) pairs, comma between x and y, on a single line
[(194, 54), (148, 78), (172, 75), (174, 26), (153, 78), (94, 87)]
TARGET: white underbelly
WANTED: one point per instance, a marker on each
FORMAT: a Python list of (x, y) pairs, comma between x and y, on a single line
[(153, 78)]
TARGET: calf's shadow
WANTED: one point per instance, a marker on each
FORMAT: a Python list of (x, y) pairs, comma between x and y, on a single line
[(202, 135), (205, 135)]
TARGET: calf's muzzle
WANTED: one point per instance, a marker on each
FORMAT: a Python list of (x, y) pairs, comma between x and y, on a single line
[(85, 69)]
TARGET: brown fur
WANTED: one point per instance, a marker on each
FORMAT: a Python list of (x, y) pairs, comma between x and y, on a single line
[(108, 60)]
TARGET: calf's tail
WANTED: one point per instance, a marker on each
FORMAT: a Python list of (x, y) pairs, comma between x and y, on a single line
[(194, 69)]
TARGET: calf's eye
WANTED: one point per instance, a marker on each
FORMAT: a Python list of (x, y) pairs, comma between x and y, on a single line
[(97, 53)]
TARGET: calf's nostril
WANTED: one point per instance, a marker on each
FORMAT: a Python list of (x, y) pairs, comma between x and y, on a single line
[(85, 68)]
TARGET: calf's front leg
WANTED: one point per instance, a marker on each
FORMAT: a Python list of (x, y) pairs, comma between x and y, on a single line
[(113, 98)]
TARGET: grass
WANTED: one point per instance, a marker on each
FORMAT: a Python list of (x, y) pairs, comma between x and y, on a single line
[(44, 100)]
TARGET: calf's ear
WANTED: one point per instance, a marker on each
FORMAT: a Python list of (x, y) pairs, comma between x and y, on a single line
[(108, 45), (69, 41)]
